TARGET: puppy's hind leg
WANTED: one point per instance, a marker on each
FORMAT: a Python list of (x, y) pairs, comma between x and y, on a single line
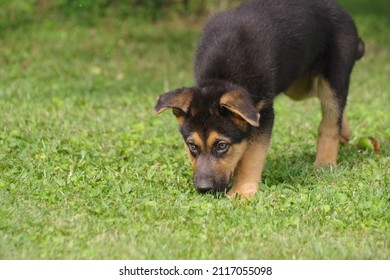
[(346, 131), (332, 89), (334, 128), (329, 129)]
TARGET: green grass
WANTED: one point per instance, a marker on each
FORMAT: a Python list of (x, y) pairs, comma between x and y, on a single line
[(87, 172)]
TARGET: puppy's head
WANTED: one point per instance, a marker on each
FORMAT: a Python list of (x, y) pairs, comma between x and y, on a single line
[(216, 124)]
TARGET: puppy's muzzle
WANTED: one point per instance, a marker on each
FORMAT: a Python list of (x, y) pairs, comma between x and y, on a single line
[(207, 184)]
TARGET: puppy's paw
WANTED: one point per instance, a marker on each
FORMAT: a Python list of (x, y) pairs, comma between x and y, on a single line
[(326, 157), (243, 191), (324, 163), (346, 132), (344, 139)]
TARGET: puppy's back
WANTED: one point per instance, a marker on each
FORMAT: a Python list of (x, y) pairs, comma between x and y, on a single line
[(264, 45)]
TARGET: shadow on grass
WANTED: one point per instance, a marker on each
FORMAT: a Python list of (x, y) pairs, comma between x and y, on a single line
[(297, 169)]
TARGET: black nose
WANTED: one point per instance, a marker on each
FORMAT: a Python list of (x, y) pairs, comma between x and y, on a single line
[(205, 189), (204, 186)]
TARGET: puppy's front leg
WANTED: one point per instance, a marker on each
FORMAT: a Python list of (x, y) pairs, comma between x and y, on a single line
[(247, 174)]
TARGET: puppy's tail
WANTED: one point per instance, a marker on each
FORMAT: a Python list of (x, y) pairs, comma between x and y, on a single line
[(360, 50)]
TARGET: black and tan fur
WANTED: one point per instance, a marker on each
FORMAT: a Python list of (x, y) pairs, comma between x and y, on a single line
[(245, 58)]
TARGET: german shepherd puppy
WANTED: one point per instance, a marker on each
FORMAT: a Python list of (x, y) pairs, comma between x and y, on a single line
[(245, 58)]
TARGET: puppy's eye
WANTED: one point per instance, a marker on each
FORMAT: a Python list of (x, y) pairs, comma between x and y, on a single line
[(193, 148), (222, 147)]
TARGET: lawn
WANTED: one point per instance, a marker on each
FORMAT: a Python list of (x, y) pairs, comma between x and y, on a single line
[(88, 172)]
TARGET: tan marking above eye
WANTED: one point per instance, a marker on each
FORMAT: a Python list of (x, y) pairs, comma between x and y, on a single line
[(195, 138), (215, 137)]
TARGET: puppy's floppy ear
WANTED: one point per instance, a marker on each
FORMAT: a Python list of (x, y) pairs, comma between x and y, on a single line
[(179, 100), (240, 103)]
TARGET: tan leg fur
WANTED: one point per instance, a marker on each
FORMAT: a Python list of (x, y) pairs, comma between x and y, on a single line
[(328, 131), (247, 174)]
